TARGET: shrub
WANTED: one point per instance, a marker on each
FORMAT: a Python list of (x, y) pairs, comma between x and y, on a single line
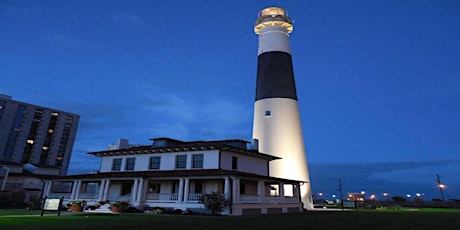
[(214, 202)]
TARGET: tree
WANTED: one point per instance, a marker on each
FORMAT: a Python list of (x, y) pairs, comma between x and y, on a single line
[(399, 199), (214, 202)]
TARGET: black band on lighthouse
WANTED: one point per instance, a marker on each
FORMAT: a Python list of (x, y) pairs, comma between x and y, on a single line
[(275, 77)]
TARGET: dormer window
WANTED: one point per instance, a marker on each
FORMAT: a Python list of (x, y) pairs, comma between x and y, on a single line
[(160, 143)]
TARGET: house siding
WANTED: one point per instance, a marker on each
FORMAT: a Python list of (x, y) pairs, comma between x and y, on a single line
[(168, 160), (245, 163)]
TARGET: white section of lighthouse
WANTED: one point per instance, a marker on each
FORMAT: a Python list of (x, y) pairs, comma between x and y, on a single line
[(277, 125)]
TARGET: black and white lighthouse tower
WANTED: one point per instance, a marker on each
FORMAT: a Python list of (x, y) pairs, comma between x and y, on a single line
[(277, 127)]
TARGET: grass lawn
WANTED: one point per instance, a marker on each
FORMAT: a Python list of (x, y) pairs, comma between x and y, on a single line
[(404, 219)]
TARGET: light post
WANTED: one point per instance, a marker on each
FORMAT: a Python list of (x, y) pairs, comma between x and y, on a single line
[(419, 197), (408, 196), (341, 193), (441, 186), (386, 195), (364, 194)]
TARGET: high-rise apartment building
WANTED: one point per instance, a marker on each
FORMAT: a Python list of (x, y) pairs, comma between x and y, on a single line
[(32, 134)]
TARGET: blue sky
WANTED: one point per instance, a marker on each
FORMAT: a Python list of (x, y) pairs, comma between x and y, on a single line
[(378, 81)]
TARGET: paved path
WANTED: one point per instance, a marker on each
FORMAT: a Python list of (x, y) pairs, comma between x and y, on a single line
[(47, 213)]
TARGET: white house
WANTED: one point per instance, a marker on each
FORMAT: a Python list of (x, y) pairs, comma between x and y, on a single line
[(174, 174)]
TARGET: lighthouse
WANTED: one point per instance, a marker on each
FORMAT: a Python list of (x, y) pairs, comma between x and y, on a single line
[(277, 128)]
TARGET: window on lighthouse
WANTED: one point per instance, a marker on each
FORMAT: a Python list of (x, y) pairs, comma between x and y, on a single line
[(268, 113)]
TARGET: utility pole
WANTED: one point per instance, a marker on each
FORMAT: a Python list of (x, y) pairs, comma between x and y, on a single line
[(440, 185), (341, 194)]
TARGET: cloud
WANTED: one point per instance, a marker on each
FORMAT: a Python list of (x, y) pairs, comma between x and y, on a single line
[(127, 20), (82, 163), (170, 105), (203, 118), (397, 178), (425, 174)]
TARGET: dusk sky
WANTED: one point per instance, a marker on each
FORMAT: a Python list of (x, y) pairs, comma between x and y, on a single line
[(378, 82)]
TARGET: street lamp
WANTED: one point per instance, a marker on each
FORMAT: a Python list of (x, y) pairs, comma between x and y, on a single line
[(441, 186), (364, 195), (386, 195), (320, 195)]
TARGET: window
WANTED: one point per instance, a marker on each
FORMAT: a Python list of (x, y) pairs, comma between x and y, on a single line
[(154, 162), (154, 188), (198, 187), (181, 161), (234, 163), (116, 164), (173, 187), (197, 161), (130, 162), (268, 113), (126, 188)]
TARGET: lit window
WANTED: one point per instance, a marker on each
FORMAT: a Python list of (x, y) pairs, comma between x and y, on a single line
[(197, 161), (50, 131), (181, 161), (155, 162), (54, 114), (45, 148), (30, 142), (116, 164), (130, 162)]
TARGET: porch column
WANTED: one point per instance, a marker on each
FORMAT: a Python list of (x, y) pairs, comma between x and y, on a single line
[(180, 196), (106, 190), (101, 190), (74, 189), (77, 191), (261, 190), (281, 186), (46, 188), (186, 189), (140, 189), (227, 187), (134, 190), (236, 190)]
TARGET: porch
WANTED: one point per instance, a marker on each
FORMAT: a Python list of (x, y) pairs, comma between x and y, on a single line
[(178, 193)]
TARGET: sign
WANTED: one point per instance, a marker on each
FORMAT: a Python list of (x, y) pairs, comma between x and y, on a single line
[(349, 204), (52, 204)]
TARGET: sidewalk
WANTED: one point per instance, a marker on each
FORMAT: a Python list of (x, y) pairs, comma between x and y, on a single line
[(48, 213)]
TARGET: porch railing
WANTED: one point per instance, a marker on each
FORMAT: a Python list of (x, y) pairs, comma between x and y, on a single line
[(59, 195), (119, 197), (194, 197), (161, 196), (267, 199), (249, 198), (88, 196)]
